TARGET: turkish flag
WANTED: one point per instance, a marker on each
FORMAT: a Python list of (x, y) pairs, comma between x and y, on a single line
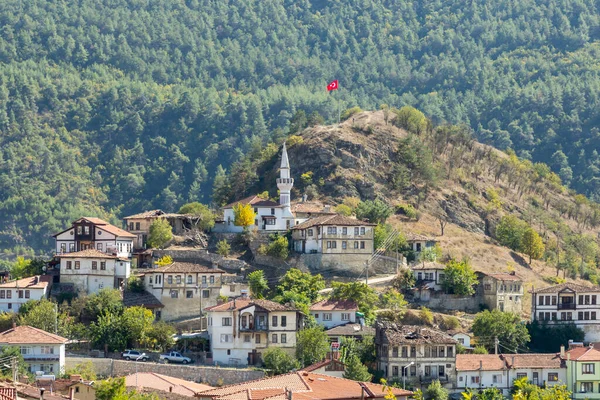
[(332, 86)]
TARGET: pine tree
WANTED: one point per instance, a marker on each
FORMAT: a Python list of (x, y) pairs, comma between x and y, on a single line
[(356, 370)]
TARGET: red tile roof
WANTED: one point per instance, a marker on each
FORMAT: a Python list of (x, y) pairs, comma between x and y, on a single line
[(568, 286), (533, 360), (101, 224), (243, 303), (505, 277), (321, 364), (332, 220), (146, 214), (475, 362), (304, 385), (253, 200), (185, 267), (428, 265), (33, 282), (88, 253), (334, 305), (583, 354), (165, 383), (29, 335), (229, 306)]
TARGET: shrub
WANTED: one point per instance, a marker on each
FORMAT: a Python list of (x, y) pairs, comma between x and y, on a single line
[(350, 112), (451, 323), (426, 315), (408, 210), (223, 248)]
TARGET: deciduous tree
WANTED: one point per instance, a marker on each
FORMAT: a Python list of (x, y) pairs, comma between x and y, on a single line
[(160, 233)]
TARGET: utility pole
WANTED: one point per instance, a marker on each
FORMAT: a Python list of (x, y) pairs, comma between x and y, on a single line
[(13, 365), (496, 342), (397, 265), (367, 271)]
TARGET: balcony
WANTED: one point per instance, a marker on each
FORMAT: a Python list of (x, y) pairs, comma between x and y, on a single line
[(254, 327), (566, 306), (41, 357)]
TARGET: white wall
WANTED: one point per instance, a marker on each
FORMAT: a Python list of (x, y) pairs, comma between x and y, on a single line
[(486, 380), (87, 279), (466, 339), (336, 318), (16, 302)]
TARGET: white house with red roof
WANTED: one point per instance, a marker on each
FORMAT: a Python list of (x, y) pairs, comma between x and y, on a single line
[(15, 293), (41, 350), (331, 313), (242, 329), (94, 233), (91, 270)]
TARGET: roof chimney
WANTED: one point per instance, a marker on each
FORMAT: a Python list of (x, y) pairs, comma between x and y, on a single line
[(562, 351), (72, 393), (170, 389)]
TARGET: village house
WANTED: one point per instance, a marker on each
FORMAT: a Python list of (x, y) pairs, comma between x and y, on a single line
[(184, 289), (583, 372), (568, 303), (14, 294), (481, 371), (93, 233), (331, 366), (42, 351), (234, 286), (270, 215), (354, 331), (143, 299), (502, 291), (417, 243), (330, 313), (418, 354), (429, 276), (240, 330), (91, 270), (303, 385), (463, 338), (304, 209)]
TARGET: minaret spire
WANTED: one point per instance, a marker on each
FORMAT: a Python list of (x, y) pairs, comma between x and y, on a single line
[(285, 182)]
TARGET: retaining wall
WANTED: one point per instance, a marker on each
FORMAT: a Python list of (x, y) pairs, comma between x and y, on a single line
[(210, 375)]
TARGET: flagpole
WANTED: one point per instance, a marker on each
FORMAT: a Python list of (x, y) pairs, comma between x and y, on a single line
[(339, 106)]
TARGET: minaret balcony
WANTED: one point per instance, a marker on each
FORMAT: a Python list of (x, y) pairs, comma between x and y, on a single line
[(285, 181)]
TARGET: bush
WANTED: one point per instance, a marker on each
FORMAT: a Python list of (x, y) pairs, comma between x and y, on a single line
[(223, 248), (343, 209), (426, 316), (350, 112), (278, 247), (408, 210), (160, 233), (278, 361), (135, 284), (451, 323)]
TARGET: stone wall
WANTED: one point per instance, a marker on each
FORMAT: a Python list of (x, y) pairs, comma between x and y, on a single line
[(193, 255), (209, 375), (350, 265), (440, 301)]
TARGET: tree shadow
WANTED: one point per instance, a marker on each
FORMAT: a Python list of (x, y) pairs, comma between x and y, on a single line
[(519, 260)]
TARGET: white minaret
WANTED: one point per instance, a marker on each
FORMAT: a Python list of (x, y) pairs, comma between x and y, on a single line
[(285, 183)]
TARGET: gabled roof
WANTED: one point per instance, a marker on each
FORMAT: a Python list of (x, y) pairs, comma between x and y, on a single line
[(88, 253), (332, 220), (254, 201), (428, 265), (533, 360), (29, 335), (334, 305), (322, 364), (411, 334), (483, 362), (240, 304), (165, 383), (311, 208), (144, 299), (303, 385), (568, 286), (101, 224), (33, 282), (583, 354), (185, 267), (351, 330), (417, 237), (504, 276)]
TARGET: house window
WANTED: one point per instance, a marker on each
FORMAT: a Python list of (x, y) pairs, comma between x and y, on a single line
[(131, 226), (552, 377), (587, 368), (189, 279), (394, 370), (356, 245), (344, 231), (345, 316), (326, 316), (488, 286), (283, 320), (9, 294), (103, 265), (25, 350), (332, 230), (10, 306), (94, 264), (593, 299), (344, 245), (178, 279), (86, 229), (427, 370), (63, 247), (189, 294), (212, 279), (274, 320), (362, 244), (257, 341), (247, 338), (356, 231), (47, 349), (232, 288), (77, 264), (27, 294), (170, 279), (137, 226), (496, 379), (272, 211), (79, 230), (158, 279), (274, 338), (174, 294), (2, 294), (203, 279), (69, 263), (283, 338), (587, 387), (593, 315), (553, 300), (226, 321), (475, 379), (541, 301), (310, 232), (205, 294), (71, 247), (225, 338), (362, 230)]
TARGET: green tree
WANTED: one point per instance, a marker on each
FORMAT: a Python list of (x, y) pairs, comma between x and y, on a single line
[(459, 278), (258, 284), (108, 332), (404, 280), (19, 268), (202, 217), (510, 231), (480, 350), (114, 389), (545, 338), (136, 284), (356, 370), (278, 247), (507, 327), (278, 361), (359, 292), (160, 336), (85, 369), (394, 300), (303, 283), (105, 301), (523, 390), (343, 209), (376, 212), (532, 244), (160, 233), (435, 391), (223, 248), (425, 315), (385, 234), (411, 119), (490, 394), (137, 322), (8, 352), (312, 345)]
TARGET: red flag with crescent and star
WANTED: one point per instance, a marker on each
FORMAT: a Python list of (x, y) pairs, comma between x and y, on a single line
[(332, 86)]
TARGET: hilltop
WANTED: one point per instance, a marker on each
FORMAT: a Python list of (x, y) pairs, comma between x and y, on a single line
[(458, 180)]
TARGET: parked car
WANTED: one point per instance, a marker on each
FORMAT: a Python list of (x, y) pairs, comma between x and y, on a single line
[(175, 357), (134, 355)]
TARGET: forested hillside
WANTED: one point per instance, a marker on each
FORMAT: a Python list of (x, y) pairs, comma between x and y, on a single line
[(108, 107)]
